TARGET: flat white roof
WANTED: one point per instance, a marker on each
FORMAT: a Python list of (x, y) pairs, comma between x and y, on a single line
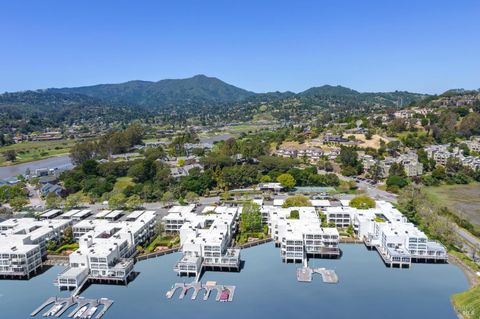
[(320, 203), (50, 213), (70, 213), (182, 209), (82, 213), (278, 202), (135, 214), (114, 214), (102, 214)]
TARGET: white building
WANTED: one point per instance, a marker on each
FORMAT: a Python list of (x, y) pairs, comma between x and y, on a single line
[(474, 144), (105, 249), (176, 217), (23, 244), (398, 241), (205, 238), (299, 238)]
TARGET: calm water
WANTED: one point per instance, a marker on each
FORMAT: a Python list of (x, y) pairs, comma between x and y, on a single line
[(267, 287), (60, 162), (215, 138)]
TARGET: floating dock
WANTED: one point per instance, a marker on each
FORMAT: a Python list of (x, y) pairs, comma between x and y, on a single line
[(224, 293), (85, 308), (305, 274)]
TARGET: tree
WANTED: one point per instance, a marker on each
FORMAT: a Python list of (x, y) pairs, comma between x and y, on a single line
[(470, 125), (439, 173), (10, 155), (348, 156), (81, 152), (349, 161), (375, 172), (397, 125), (72, 201), (251, 218), (133, 202), (68, 235), (117, 200), (134, 134), (362, 202), (286, 180), (265, 179), (89, 167), (53, 201), (18, 202), (168, 198), (297, 201), (294, 214), (395, 182), (397, 169), (191, 197)]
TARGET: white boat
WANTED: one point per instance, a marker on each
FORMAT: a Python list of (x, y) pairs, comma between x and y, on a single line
[(90, 312), (53, 311), (80, 312)]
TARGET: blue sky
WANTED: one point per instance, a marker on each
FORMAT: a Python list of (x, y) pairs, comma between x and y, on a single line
[(422, 46)]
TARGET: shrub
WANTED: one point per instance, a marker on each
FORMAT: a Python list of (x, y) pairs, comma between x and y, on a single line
[(362, 202)]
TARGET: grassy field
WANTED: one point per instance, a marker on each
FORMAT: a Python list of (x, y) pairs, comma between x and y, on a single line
[(462, 200), (468, 303), (122, 183), (374, 142), (32, 151)]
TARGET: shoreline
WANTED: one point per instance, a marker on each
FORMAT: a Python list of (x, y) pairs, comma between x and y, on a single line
[(471, 276)]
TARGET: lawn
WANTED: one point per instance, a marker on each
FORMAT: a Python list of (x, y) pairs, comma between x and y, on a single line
[(374, 142), (468, 303), (32, 151), (462, 200), (122, 183)]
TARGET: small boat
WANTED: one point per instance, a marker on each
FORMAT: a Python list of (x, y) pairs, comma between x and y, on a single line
[(53, 310), (90, 312), (207, 294), (80, 312)]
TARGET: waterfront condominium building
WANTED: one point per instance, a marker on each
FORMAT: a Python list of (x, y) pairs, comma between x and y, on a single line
[(299, 234), (398, 241), (23, 244), (205, 239), (106, 249), (176, 217)]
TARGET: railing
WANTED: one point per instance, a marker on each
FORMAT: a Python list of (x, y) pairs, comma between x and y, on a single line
[(254, 243), (157, 254)]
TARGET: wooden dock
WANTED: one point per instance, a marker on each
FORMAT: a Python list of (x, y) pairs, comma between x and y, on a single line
[(305, 274), (197, 287), (81, 303)]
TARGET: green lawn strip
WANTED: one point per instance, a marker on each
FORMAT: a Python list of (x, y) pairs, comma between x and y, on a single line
[(63, 248), (467, 303), (166, 241)]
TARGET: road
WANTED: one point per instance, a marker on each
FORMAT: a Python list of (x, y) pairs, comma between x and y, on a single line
[(371, 190), (376, 193), (35, 198)]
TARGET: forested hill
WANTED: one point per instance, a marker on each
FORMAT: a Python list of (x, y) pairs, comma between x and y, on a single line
[(199, 99), (36, 110), (196, 90)]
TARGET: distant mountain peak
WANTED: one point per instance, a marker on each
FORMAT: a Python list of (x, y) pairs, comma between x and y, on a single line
[(327, 90), (199, 89)]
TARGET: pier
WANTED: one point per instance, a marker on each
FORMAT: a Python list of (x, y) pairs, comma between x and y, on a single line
[(86, 308), (224, 293), (305, 274)]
